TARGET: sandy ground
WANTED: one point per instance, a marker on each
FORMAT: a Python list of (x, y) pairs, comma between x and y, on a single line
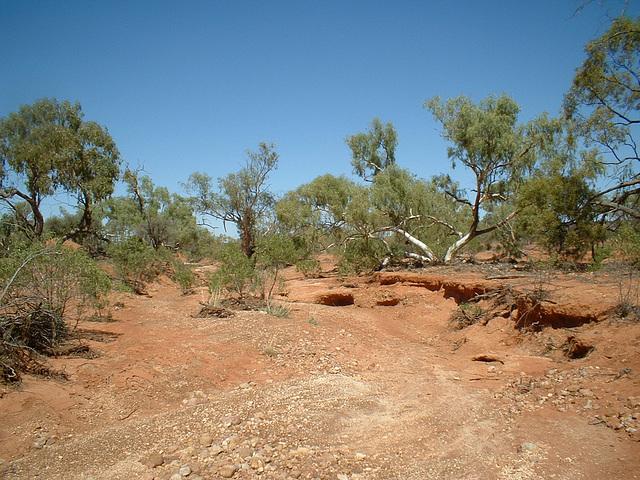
[(366, 379)]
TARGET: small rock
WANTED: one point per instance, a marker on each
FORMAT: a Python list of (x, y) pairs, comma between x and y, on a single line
[(230, 420), (153, 460), (227, 471), (215, 450), (257, 464), (576, 348), (527, 447), (40, 442), (185, 471), (245, 452), (206, 439)]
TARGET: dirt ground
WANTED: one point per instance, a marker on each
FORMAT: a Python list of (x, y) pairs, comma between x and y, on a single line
[(368, 378)]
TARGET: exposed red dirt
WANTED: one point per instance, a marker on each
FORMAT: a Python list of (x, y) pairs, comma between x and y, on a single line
[(367, 379)]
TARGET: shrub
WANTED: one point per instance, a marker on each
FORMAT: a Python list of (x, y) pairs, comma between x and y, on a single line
[(40, 283), (466, 315), (182, 275), (235, 273), (136, 263)]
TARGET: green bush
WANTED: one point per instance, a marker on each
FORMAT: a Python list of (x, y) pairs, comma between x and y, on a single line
[(182, 275), (235, 274), (40, 283), (136, 263)]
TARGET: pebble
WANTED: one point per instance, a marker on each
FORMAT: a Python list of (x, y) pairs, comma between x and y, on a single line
[(206, 440), (153, 460), (231, 420), (527, 447), (227, 471)]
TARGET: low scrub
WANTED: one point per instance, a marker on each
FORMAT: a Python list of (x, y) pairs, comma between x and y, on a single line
[(42, 283), (137, 264)]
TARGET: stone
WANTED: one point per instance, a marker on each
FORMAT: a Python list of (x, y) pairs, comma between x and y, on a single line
[(245, 452), (185, 471), (230, 420), (205, 440), (153, 460), (527, 447), (215, 450), (227, 471)]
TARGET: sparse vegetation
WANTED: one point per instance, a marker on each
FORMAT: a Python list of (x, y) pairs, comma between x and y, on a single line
[(41, 283), (136, 263), (465, 315)]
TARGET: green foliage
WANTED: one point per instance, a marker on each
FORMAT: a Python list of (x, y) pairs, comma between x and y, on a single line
[(274, 252), (242, 198), (182, 275), (159, 218), (557, 215), (374, 151), (15, 226), (53, 276), (488, 140), (309, 267), (466, 315), (362, 255), (40, 284), (136, 263), (604, 105), (47, 147), (235, 273), (277, 310), (626, 241), (315, 213)]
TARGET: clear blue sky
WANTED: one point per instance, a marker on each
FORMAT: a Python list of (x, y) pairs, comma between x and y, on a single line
[(187, 86)]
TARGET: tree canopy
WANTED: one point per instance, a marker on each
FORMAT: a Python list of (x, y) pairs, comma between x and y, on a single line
[(604, 102), (242, 198), (372, 152), (47, 147)]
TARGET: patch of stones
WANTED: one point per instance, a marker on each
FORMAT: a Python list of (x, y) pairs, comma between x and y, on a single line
[(572, 390), (277, 441)]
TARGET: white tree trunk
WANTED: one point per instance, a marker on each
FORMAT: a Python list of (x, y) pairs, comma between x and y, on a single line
[(453, 249), (429, 256)]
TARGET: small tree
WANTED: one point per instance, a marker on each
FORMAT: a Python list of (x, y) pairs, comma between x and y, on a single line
[(40, 283), (136, 263), (273, 253), (242, 197), (235, 272), (159, 218)]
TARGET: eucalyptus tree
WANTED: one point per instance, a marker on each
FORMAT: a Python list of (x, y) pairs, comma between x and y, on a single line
[(487, 139), (151, 213), (241, 198), (604, 105), (48, 147), (372, 152)]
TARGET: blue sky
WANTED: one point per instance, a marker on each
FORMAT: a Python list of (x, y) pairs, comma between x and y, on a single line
[(187, 86)]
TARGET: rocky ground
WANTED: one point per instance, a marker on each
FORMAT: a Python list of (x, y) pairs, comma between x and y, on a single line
[(370, 377)]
